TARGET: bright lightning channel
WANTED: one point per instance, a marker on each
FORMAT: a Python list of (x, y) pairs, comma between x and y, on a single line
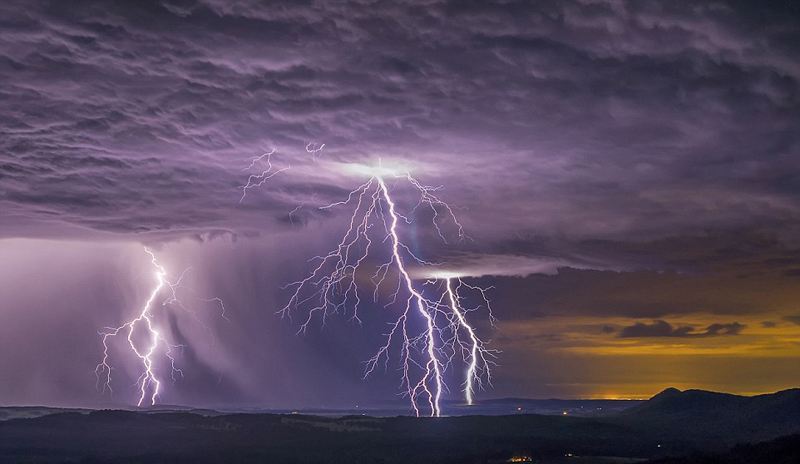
[(477, 353), (427, 353), (148, 383)]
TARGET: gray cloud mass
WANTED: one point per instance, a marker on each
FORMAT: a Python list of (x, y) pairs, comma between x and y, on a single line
[(660, 328), (609, 159), (613, 120)]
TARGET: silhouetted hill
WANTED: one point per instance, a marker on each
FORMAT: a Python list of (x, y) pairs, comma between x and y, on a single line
[(124, 436), (721, 416), (504, 406), (672, 423), (29, 412), (784, 450)]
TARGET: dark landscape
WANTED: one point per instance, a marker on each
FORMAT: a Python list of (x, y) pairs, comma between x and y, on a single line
[(399, 231), (673, 427)]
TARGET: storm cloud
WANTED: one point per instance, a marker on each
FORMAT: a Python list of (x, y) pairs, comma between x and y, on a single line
[(608, 159), (589, 120)]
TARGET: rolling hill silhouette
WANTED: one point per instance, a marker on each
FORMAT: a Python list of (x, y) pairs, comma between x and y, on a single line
[(672, 423), (719, 416)]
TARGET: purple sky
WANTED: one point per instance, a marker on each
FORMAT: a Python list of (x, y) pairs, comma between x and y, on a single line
[(629, 172)]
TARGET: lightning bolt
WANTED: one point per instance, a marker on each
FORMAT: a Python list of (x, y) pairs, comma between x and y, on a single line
[(314, 149), (147, 350), (267, 172), (426, 352), (478, 357)]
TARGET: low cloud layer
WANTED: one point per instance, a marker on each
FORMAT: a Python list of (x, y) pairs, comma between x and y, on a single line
[(661, 328), (794, 319)]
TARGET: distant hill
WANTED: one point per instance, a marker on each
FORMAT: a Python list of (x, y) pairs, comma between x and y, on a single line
[(170, 437), (491, 407), (507, 406), (720, 416), (672, 423), (784, 450), (30, 412)]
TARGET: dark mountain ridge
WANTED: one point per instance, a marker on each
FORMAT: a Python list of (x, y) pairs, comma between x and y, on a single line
[(783, 450), (671, 423), (720, 416)]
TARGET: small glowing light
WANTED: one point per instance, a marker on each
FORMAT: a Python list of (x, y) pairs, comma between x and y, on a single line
[(520, 459)]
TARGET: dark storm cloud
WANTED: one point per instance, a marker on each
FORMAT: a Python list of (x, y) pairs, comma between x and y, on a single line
[(570, 118), (660, 328), (794, 319), (609, 159)]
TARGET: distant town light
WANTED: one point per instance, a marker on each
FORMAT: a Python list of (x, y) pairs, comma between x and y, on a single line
[(520, 459)]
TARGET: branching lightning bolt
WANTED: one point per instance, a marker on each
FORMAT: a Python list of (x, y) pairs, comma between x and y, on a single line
[(267, 172), (425, 353), (148, 383), (477, 358)]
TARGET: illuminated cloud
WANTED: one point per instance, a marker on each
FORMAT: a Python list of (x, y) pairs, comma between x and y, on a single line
[(484, 265), (629, 161), (610, 121)]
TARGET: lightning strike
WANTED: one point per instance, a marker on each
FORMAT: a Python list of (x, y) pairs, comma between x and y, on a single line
[(267, 172), (430, 331), (314, 149), (148, 383), (477, 357), (295, 211)]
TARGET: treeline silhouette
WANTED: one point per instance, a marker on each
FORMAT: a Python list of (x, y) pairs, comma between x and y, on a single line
[(700, 425)]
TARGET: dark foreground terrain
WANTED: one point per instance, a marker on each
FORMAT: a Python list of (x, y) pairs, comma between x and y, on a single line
[(671, 428)]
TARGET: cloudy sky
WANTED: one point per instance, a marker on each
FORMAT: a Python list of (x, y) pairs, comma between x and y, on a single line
[(628, 174)]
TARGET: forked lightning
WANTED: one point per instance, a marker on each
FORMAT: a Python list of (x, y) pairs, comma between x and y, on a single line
[(431, 332), (145, 340)]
